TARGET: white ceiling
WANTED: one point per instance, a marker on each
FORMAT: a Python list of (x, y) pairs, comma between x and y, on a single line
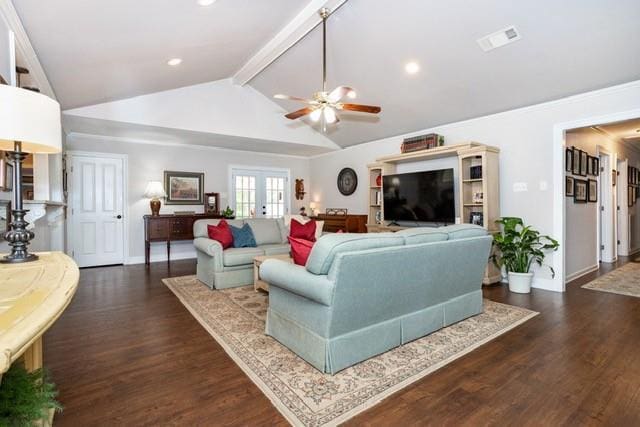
[(627, 131), (95, 51), (567, 47)]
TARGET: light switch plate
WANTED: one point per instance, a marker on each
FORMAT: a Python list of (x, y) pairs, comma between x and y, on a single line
[(520, 187)]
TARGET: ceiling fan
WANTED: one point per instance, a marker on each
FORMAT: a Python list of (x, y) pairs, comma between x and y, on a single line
[(325, 104)]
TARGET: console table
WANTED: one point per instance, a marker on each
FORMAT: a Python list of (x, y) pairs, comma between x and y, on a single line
[(169, 228), (346, 223)]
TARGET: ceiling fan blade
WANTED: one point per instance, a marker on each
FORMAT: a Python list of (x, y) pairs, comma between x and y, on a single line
[(292, 98), (299, 113), (361, 108), (340, 92)]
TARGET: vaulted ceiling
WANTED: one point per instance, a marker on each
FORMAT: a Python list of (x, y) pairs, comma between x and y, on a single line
[(96, 51)]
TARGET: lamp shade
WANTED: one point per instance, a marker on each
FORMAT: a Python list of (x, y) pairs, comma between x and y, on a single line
[(154, 190), (31, 118)]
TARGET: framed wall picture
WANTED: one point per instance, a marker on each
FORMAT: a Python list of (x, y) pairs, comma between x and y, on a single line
[(595, 166), (184, 188), (592, 193), (580, 191), (568, 159), (5, 216), (568, 187), (584, 163), (575, 162)]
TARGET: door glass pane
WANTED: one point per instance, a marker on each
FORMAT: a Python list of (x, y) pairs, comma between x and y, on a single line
[(245, 191), (274, 189)]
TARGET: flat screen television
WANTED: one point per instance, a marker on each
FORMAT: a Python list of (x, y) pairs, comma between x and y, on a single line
[(420, 197)]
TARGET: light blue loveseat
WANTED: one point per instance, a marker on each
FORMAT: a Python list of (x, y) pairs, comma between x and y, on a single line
[(360, 295), (233, 267)]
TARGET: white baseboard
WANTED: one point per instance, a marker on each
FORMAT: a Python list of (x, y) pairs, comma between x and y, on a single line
[(545, 284), (161, 257), (633, 251), (580, 273)]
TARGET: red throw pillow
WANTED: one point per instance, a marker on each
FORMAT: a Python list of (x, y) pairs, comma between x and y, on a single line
[(300, 250), (221, 233), (306, 231)]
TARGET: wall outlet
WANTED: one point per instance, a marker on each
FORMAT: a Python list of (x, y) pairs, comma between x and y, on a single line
[(457, 220), (544, 185), (520, 187)]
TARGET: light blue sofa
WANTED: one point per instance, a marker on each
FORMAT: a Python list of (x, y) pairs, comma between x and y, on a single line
[(232, 267), (360, 295)]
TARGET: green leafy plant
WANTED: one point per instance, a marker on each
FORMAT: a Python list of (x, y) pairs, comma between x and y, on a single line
[(26, 397), (519, 246), (228, 212)]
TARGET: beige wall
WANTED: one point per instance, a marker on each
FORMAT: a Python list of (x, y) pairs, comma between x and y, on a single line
[(148, 162)]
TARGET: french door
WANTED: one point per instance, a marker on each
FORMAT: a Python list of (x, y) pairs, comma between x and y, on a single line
[(97, 209), (259, 193)]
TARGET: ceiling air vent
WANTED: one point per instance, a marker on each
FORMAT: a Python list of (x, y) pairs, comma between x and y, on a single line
[(499, 38)]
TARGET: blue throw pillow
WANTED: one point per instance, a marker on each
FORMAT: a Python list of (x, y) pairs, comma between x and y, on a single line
[(243, 237)]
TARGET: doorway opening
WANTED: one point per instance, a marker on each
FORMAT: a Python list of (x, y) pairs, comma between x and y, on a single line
[(602, 177)]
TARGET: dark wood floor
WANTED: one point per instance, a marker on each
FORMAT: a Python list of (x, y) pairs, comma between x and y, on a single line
[(126, 352)]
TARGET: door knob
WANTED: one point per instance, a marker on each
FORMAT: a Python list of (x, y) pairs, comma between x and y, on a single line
[(119, 216)]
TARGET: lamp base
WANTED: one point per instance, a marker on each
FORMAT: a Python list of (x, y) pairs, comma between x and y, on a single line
[(155, 207), (14, 259)]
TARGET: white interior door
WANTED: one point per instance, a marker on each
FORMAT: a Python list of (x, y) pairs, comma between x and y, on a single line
[(97, 210), (606, 219), (259, 193)]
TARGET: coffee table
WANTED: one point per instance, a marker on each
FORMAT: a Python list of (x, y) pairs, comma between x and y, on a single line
[(258, 283)]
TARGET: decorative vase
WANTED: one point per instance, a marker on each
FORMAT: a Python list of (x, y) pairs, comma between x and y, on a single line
[(520, 283), (155, 207), (379, 180)]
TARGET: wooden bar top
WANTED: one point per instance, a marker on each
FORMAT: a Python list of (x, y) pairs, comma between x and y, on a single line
[(32, 296)]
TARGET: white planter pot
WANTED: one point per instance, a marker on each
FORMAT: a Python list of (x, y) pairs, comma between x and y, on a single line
[(520, 282)]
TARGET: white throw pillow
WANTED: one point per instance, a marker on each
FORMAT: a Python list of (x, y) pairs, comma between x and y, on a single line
[(303, 220)]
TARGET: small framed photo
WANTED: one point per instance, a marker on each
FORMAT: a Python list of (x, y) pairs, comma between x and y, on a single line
[(476, 218), (575, 162), (584, 163), (580, 191), (568, 159), (184, 188), (5, 216), (593, 191), (568, 188)]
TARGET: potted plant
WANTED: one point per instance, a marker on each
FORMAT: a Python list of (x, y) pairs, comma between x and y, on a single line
[(228, 213), (519, 246), (27, 398)]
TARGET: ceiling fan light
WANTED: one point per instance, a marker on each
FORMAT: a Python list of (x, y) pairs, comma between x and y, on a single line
[(329, 115), (315, 114), (351, 94)]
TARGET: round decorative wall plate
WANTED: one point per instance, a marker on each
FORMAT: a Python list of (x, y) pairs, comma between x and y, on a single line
[(347, 181)]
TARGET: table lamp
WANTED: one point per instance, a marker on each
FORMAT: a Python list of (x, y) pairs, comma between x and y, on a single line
[(29, 123), (155, 191), (312, 206)]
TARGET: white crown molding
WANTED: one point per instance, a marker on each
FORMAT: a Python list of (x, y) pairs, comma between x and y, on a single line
[(105, 138), (573, 99), (291, 34), (24, 48)]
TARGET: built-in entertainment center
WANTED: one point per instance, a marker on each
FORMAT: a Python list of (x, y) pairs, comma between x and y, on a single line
[(427, 197)]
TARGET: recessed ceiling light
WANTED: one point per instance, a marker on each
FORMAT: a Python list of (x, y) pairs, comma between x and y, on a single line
[(206, 2), (412, 67), (174, 61)]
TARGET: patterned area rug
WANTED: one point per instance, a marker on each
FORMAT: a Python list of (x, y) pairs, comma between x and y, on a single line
[(305, 396), (624, 281)]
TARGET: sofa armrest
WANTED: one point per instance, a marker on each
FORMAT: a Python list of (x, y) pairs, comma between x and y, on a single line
[(208, 246), (295, 278)]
